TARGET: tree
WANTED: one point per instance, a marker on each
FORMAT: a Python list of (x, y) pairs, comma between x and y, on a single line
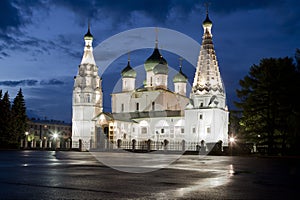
[(297, 58), (5, 120), (19, 122), (266, 102)]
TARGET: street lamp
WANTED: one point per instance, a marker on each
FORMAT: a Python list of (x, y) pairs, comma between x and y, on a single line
[(26, 139), (231, 142), (55, 135)]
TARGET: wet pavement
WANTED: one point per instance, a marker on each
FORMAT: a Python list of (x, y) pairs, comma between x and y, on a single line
[(79, 175)]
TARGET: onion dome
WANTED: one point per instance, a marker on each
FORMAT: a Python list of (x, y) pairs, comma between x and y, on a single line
[(180, 77), (88, 35), (161, 68), (128, 72), (154, 59), (207, 21)]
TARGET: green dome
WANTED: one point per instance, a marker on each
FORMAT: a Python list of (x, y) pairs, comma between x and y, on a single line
[(207, 21), (180, 77), (128, 72), (161, 68), (153, 60)]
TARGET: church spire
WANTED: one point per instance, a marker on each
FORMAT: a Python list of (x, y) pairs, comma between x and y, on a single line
[(207, 77), (88, 57), (156, 38)]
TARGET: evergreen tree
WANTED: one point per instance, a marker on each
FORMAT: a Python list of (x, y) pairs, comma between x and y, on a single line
[(19, 118), (5, 121), (266, 103), (1, 121), (297, 58)]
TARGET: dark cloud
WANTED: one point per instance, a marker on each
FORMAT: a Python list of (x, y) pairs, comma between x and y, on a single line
[(52, 82), (229, 6), (9, 15), (17, 13), (19, 83), (31, 82), (121, 10)]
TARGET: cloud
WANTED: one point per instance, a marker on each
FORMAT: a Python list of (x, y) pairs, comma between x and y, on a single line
[(31, 82), (52, 82), (19, 83)]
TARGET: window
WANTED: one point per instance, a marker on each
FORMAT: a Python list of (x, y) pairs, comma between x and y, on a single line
[(162, 130), (133, 129), (137, 106), (208, 130), (194, 130), (201, 104), (124, 136), (88, 98), (200, 116), (144, 130), (182, 130), (153, 105), (122, 107)]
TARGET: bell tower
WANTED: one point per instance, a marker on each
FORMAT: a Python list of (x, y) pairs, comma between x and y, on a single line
[(87, 97), (207, 114)]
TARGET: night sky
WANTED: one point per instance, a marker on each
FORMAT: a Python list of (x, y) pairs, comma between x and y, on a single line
[(41, 42)]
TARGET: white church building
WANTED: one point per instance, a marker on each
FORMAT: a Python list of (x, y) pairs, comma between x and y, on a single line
[(153, 114)]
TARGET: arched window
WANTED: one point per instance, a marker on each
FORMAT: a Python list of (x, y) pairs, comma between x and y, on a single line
[(88, 98)]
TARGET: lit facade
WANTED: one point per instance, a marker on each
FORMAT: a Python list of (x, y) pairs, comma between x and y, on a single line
[(152, 113)]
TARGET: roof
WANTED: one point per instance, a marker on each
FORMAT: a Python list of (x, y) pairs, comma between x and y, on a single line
[(128, 72), (160, 68), (180, 77), (88, 35), (207, 21), (154, 59)]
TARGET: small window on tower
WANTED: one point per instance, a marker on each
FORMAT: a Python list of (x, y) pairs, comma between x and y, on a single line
[(88, 98), (153, 105), (137, 106), (122, 107), (162, 131), (200, 116), (208, 130), (194, 130)]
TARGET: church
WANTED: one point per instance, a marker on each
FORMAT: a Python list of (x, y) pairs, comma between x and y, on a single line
[(151, 115)]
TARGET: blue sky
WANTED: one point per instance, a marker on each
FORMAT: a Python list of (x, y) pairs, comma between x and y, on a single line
[(41, 42)]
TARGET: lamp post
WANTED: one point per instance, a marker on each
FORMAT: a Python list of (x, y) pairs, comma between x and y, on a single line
[(231, 142), (26, 140), (55, 135)]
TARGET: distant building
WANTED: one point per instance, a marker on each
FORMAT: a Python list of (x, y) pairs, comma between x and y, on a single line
[(40, 130), (152, 113)]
